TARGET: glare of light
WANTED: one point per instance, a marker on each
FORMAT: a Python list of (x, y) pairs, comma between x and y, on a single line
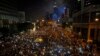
[(21, 52), (37, 20), (37, 44), (96, 19), (80, 50), (34, 29), (59, 51), (79, 33), (89, 41), (58, 20), (43, 53), (70, 48), (68, 52), (22, 32), (43, 20), (88, 46), (39, 40)]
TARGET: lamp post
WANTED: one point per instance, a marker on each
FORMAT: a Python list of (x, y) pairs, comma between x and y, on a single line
[(96, 28)]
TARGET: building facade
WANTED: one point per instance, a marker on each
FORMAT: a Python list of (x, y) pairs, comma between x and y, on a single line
[(86, 20), (9, 13)]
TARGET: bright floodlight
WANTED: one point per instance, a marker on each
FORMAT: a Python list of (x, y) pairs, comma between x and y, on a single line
[(96, 19)]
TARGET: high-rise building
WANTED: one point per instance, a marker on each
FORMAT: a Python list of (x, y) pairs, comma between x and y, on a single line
[(85, 18), (9, 12), (71, 5)]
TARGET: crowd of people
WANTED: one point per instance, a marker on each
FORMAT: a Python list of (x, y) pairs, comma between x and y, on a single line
[(54, 42)]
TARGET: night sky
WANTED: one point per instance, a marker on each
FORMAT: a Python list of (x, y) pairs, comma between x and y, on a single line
[(37, 8)]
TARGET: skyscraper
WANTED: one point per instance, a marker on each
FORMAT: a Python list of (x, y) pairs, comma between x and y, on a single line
[(9, 12), (84, 19)]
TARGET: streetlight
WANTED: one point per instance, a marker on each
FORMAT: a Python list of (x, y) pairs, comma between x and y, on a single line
[(96, 20), (96, 27)]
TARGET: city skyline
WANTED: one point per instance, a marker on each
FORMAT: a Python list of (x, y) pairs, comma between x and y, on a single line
[(38, 8)]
